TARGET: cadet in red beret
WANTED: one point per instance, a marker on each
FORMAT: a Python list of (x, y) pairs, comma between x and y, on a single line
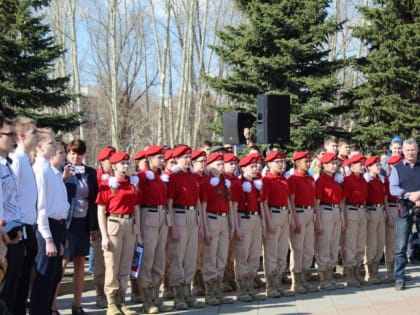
[(119, 222), (155, 231), (390, 222), (215, 204), (329, 197), (184, 207), (140, 161), (302, 200), (246, 196), (104, 165), (276, 242), (168, 164), (198, 159), (355, 195), (377, 209), (103, 173)]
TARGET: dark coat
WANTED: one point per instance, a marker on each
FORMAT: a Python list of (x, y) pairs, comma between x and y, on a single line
[(92, 215)]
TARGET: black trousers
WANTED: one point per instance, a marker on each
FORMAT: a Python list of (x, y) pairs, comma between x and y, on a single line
[(47, 270), (31, 247), (15, 257)]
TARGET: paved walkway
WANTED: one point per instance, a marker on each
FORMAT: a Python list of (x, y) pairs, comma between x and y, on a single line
[(380, 299)]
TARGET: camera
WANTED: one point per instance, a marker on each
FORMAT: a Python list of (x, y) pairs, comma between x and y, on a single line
[(76, 169)]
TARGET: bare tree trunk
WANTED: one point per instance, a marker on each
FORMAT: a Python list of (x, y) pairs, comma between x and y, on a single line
[(115, 139), (72, 4)]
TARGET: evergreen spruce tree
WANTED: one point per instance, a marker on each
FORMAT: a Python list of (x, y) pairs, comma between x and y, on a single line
[(27, 54), (280, 49), (388, 102)]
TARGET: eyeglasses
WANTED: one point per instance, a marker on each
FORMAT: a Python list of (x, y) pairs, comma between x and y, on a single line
[(125, 162), (9, 134)]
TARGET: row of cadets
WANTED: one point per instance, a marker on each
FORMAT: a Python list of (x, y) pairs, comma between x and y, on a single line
[(119, 222), (184, 207), (216, 228), (154, 226)]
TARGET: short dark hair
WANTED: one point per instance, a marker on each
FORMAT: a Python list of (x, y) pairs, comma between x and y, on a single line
[(4, 120), (78, 146)]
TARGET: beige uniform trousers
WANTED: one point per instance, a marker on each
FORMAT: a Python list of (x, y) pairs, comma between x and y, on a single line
[(155, 235), (302, 244), (375, 237), (354, 236), (183, 252), (276, 245), (328, 242), (215, 253), (119, 257), (98, 262), (247, 252), (390, 234)]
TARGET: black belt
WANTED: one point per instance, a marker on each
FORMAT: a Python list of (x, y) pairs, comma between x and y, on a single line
[(356, 205), (214, 215), (375, 205), (392, 204), (331, 205), (156, 207), (121, 216), (304, 207), (30, 227), (183, 207), (58, 221), (247, 214), (277, 209)]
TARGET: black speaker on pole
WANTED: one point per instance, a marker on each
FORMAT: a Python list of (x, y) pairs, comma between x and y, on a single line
[(273, 118), (233, 126)]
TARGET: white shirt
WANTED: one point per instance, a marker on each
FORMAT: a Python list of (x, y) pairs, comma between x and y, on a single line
[(9, 209), (52, 195), (26, 185)]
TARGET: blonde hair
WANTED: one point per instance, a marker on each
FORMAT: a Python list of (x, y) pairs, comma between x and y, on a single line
[(44, 135), (22, 123)]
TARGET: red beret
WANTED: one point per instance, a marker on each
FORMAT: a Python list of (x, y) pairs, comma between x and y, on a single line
[(328, 157), (371, 160), (118, 157), (357, 158), (274, 155), (197, 153), (141, 154), (395, 159), (181, 150), (256, 155), (105, 153), (249, 159), (154, 150), (346, 162), (214, 157), (300, 155), (230, 157), (168, 155)]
